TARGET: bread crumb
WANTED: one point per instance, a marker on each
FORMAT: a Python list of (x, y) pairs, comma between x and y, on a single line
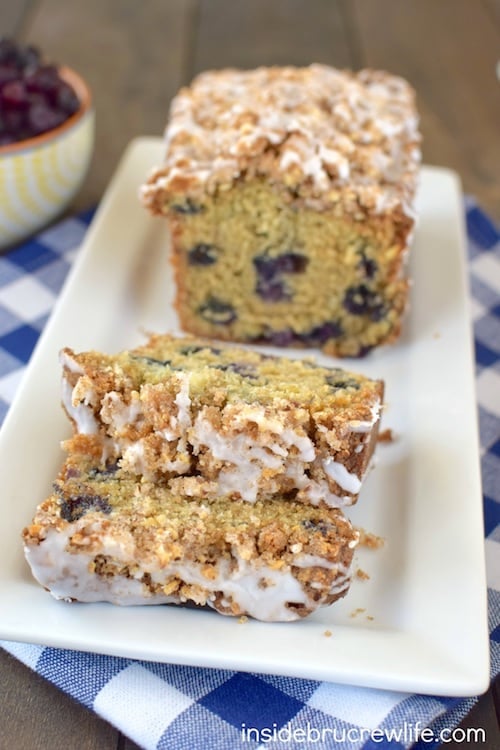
[(242, 619), (367, 539), (386, 436), (327, 633), (370, 617), (362, 575), (358, 611)]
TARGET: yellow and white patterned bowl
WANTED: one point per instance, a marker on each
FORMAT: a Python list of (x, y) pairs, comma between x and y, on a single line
[(40, 176)]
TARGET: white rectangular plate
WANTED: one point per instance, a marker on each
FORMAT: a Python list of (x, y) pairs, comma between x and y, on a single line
[(419, 622)]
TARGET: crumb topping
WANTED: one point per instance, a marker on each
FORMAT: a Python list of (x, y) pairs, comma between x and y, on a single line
[(324, 135)]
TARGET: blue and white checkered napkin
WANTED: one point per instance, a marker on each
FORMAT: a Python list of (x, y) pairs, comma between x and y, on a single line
[(169, 706)]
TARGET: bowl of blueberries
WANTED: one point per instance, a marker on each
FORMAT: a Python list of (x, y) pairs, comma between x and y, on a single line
[(46, 139)]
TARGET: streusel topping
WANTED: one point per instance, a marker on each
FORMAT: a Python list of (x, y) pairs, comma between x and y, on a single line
[(326, 136)]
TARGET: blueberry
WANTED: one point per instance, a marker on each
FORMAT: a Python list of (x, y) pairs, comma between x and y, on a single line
[(29, 58), (313, 524), (285, 337), (364, 350), (339, 380), (268, 267), (272, 291), (76, 506), (187, 208), (13, 121), (282, 338), (105, 472), (369, 267), (152, 360), (217, 312), (70, 473), (245, 369), (319, 335), (45, 79), (360, 300), (42, 118), (188, 350), (203, 255), (270, 285), (14, 95), (7, 74), (292, 263), (316, 336), (66, 99)]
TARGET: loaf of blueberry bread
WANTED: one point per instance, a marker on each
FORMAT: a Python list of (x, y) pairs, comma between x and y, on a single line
[(220, 420), (289, 193), (104, 536)]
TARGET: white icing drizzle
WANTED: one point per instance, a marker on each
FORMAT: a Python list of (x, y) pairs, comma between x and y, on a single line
[(315, 491), (257, 589), (69, 362), (80, 411), (183, 403), (367, 425), (338, 472), (315, 561), (134, 459), (117, 412), (247, 461)]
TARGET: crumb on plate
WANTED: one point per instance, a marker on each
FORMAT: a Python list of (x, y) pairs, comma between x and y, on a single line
[(367, 539), (386, 436), (362, 575)]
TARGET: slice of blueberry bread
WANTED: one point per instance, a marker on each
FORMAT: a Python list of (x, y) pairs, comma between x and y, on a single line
[(105, 537), (289, 193), (223, 420)]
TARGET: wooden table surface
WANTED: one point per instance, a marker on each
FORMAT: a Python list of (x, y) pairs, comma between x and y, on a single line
[(135, 55)]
